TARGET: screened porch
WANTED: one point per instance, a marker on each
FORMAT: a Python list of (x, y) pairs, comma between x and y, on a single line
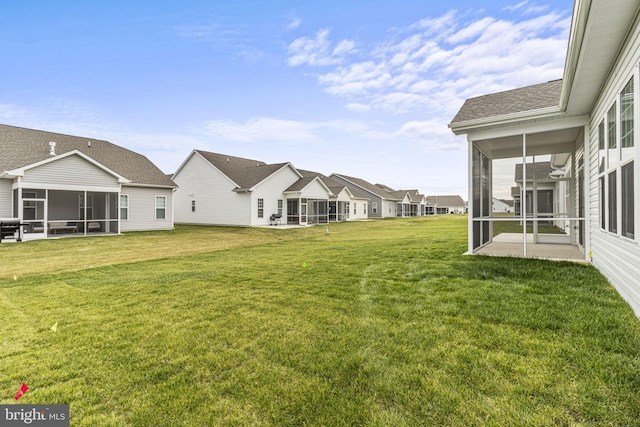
[(59, 213), (304, 211), (544, 173)]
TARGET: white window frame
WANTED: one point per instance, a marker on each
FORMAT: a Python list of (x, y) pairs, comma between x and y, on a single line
[(163, 208), (614, 162), (260, 208), (121, 207)]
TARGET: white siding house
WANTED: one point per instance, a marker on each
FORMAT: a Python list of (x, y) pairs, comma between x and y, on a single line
[(382, 203), (54, 184), (217, 189), (589, 120)]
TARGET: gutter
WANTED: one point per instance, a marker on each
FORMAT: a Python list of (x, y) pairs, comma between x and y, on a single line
[(460, 128), (578, 27)]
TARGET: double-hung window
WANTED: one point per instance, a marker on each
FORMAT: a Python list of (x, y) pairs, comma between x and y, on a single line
[(161, 207), (260, 208), (124, 206), (616, 160)]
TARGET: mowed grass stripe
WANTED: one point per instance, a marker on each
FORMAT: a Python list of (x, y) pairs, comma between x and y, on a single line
[(388, 324)]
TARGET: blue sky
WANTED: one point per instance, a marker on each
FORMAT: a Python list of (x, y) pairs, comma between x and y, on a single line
[(360, 87)]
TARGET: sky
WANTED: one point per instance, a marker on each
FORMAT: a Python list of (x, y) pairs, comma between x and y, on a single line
[(361, 87)]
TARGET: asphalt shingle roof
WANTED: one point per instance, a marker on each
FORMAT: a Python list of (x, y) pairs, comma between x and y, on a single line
[(511, 101), (246, 173), (537, 171), (20, 147), (331, 184), (446, 201), (371, 188)]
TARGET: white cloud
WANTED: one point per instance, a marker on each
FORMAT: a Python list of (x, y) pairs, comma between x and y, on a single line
[(526, 8), (317, 51), (262, 129), (294, 23), (357, 107), (438, 62), (430, 134)]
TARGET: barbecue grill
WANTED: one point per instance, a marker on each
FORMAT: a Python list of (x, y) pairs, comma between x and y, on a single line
[(11, 228)]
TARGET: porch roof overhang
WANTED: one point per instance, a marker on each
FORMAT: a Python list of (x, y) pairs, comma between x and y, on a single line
[(545, 134)]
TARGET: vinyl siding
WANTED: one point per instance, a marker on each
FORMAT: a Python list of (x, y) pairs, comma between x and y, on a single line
[(142, 209), (360, 192), (271, 190), (315, 190), (618, 258), (6, 198), (70, 171), (388, 209), (216, 202)]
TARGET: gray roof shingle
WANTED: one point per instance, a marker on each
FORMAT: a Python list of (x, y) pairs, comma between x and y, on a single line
[(22, 147), (537, 171), (367, 187), (445, 201), (246, 173), (511, 101), (331, 184)]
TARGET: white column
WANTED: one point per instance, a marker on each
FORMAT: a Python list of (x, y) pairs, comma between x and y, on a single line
[(523, 195), (470, 198)]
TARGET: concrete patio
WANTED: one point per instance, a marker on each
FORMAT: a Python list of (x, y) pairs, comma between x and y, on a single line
[(511, 245)]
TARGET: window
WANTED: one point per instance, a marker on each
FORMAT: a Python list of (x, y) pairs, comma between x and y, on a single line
[(193, 206), (354, 208), (374, 207), (603, 221), (626, 122), (260, 208), (626, 183), (124, 206), (616, 164), (602, 152), (161, 207), (612, 203), (280, 206), (612, 142)]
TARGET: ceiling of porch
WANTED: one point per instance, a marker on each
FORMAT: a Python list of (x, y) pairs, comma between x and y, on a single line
[(538, 144)]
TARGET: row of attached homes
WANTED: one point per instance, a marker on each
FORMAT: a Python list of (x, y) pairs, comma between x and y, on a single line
[(53, 185)]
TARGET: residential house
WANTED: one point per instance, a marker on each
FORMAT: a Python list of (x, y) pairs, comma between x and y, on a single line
[(59, 184), (382, 203), (411, 203), (447, 204), (218, 189), (502, 205), (586, 125), (343, 205)]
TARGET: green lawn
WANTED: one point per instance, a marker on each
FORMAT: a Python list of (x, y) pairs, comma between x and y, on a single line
[(380, 323)]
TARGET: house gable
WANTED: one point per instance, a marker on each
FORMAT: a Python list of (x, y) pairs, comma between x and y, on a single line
[(70, 170)]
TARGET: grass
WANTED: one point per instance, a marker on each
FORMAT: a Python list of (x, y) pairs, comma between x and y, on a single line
[(515, 226), (379, 323)]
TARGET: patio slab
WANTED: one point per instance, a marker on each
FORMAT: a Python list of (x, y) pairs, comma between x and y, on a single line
[(511, 245)]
